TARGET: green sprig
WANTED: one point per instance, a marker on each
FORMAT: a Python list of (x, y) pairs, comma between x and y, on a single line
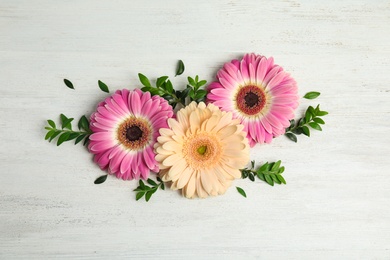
[(66, 133), (270, 173), (165, 89), (312, 119), (148, 191)]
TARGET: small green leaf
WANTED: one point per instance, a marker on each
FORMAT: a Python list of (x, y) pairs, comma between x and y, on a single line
[(263, 167), (149, 194), (101, 179), (202, 83), (306, 130), (169, 86), (139, 195), (141, 184), (191, 81), (315, 126), (291, 136), (322, 113), (319, 121), (280, 177), (144, 80), (311, 95), (281, 170), (68, 83), (260, 176), (103, 86), (63, 137), (54, 135), (49, 134), (51, 123), (241, 191), (151, 182), (84, 123), (160, 81), (66, 122), (79, 139), (276, 166), (162, 186), (180, 68), (308, 115), (251, 176), (269, 180)]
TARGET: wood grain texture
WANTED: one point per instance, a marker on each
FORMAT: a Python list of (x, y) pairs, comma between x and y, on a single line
[(336, 204)]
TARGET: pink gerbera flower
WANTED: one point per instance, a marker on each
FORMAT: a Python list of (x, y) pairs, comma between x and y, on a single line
[(258, 92), (125, 128)]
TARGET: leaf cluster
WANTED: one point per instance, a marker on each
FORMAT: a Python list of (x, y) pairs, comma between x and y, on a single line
[(270, 173), (66, 132), (148, 191), (165, 89), (311, 119)]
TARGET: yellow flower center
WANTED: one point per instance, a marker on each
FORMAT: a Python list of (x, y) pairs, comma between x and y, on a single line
[(134, 133), (202, 150)]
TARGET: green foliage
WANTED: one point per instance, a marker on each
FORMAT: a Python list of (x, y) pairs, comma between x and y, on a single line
[(148, 191), (310, 119), (270, 173), (68, 84), (103, 87), (241, 191), (180, 68), (101, 179), (311, 95), (65, 133), (165, 89)]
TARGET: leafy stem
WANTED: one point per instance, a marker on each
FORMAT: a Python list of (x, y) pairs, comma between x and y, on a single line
[(311, 119), (268, 172), (148, 191), (66, 133)]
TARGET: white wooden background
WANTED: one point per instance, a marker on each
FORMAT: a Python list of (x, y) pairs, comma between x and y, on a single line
[(336, 204)]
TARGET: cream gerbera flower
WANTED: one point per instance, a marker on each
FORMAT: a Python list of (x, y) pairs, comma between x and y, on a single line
[(202, 151)]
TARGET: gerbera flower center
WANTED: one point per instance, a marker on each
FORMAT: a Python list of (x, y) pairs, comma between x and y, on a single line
[(202, 150), (250, 100), (134, 133)]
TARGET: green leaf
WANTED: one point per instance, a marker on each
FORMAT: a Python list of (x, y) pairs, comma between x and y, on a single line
[(169, 86), (319, 121), (68, 83), (291, 136), (306, 130), (103, 86), (66, 122), (151, 182), (322, 113), (162, 186), (201, 83), (263, 167), (63, 137), (281, 179), (79, 138), (51, 123), (261, 176), (315, 126), (276, 166), (281, 170), (149, 194), (201, 93), (73, 136), (84, 123), (144, 80), (241, 191), (191, 81), (180, 68), (311, 95), (160, 81), (251, 176), (54, 135), (308, 115), (101, 179), (49, 134), (141, 184), (275, 179), (139, 195), (269, 180), (86, 141)]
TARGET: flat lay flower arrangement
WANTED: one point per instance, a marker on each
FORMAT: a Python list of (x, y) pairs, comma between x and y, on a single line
[(196, 139)]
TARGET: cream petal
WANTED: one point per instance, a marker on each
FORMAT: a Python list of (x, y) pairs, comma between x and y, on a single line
[(172, 146), (171, 160), (199, 188), (189, 189), (184, 178), (177, 169)]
